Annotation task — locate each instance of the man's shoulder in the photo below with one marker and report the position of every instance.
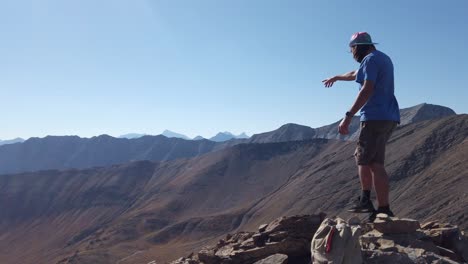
(381, 55)
(377, 57)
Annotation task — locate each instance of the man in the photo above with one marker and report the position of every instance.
(380, 115)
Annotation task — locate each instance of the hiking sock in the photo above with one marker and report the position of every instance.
(385, 210)
(365, 195)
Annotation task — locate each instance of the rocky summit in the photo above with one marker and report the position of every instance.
(388, 240)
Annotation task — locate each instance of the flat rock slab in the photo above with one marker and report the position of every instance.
(393, 225)
(274, 259)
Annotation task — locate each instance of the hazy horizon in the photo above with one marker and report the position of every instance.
(181, 133)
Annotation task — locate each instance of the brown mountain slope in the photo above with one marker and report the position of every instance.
(44, 214)
(143, 211)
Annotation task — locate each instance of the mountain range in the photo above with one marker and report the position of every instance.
(220, 137)
(11, 141)
(64, 152)
(140, 211)
(132, 136)
(225, 136)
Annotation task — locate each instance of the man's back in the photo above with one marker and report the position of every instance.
(382, 105)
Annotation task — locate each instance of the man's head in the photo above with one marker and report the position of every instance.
(361, 44)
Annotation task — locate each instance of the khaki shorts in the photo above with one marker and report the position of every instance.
(372, 140)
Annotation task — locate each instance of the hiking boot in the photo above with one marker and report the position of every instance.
(374, 214)
(363, 205)
(372, 217)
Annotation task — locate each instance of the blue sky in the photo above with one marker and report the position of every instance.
(199, 67)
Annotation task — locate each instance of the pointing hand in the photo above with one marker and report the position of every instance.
(329, 82)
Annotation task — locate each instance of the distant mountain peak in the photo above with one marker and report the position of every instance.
(292, 125)
(287, 132)
(424, 111)
(222, 136)
(242, 135)
(171, 134)
(226, 135)
(132, 135)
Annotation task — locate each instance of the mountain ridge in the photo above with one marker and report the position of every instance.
(62, 152)
(11, 141)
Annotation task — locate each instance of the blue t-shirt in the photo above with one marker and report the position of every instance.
(382, 105)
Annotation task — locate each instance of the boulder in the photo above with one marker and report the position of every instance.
(207, 256)
(381, 257)
(274, 259)
(262, 228)
(300, 226)
(448, 237)
(393, 225)
(181, 261)
(404, 256)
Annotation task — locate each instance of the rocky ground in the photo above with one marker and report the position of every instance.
(387, 240)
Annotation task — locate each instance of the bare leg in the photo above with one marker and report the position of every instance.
(365, 175)
(381, 185)
(364, 203)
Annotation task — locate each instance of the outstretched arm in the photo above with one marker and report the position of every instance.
(349, 76)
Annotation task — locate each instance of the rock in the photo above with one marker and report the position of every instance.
(461, 248)
(430, 225)
(388, 240)
(240, 237)
(181, 261)
(436, 259)
(449, 237)
(290, 236)
(221, 243)
(226, 251)
(298, 226)
(278, 236)
(354, 221)
(259, 239)
(386, 244)
(412, 253)
(449, 254)
(380, 257)
(393, 225)
(207, 256)
(274, 259)
(404, 256)
(290, 247)
(262, 228)
(443, 236)
(248, 244)
(254, 254)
